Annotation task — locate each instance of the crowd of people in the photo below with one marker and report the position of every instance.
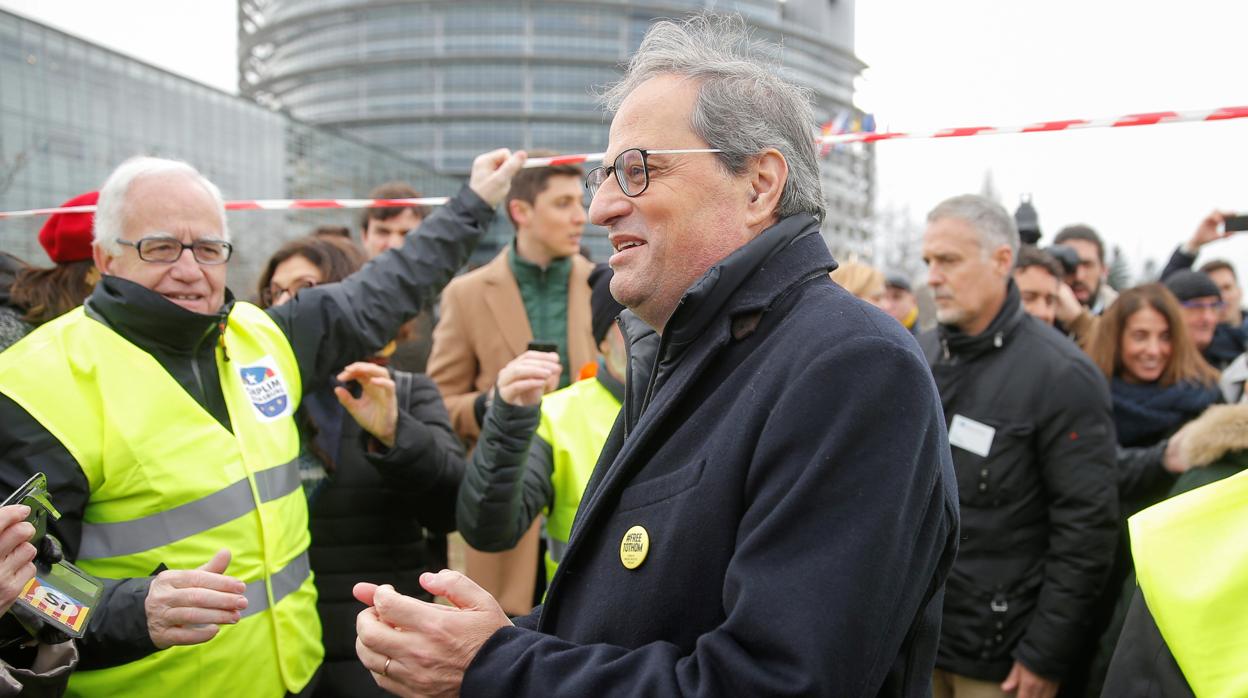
(1063, 426)
(721, 464)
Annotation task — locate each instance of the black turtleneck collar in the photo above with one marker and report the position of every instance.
(182, 342)
(151, 321)
(994, 336)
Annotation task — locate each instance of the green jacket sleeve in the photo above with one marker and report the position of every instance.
(507, 482)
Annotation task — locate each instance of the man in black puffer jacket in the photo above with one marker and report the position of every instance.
(1032, 435)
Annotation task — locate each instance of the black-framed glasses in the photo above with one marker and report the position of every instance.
(161, 249)
(274, 293)
(632, 169)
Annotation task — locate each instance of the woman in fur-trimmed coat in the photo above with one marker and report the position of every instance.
(1216, 445)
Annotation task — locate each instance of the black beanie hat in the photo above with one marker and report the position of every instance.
(1187, 284)
(603, 307)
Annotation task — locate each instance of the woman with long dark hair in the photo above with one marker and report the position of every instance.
(381, 470)
(1159, 383)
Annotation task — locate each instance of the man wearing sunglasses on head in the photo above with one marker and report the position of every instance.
(774, 512)
(161, 412)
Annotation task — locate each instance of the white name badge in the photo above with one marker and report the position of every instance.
(970, 435)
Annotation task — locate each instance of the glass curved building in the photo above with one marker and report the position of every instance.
(441, 81)
(71, 111)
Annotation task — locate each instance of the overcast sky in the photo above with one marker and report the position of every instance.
(987, 62)
(939, 64)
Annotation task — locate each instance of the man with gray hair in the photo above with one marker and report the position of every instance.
(161, 412)
(774, 511)
(1032, 433)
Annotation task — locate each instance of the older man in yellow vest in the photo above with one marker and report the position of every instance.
(161, 412)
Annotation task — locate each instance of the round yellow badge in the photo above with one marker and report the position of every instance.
(634, 547)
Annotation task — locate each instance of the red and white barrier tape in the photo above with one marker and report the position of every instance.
(293, 204)
(261, 205)
(564, 160)
(1150, 119)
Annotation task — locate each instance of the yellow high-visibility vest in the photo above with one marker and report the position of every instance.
(575, 422)
(171, 486)
(1191, 559)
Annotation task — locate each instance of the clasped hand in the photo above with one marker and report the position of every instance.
(415, 648)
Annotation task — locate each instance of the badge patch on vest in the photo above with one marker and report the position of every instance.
(265, 389)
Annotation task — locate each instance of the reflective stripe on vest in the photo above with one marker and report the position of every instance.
(170, 485)
(1192, 565)
(284, 583)
(220, 507)
(575, 423)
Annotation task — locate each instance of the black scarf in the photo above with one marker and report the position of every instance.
(964, 347)
(1145, 413)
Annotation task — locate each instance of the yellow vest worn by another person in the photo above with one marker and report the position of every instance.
(171, 486)
(1191, 561)
(575, 422)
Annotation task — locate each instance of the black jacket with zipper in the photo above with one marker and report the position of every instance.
(1039, 513)
(328, 327)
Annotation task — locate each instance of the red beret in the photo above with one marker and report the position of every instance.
(67, 236)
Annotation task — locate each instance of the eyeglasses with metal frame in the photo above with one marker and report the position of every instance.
(273, 293)
(632, 169)
(162, 249)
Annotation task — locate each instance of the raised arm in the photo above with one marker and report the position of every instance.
(331, 325)
(508, 481)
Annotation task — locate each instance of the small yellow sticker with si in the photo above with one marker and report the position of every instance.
(634, 547)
